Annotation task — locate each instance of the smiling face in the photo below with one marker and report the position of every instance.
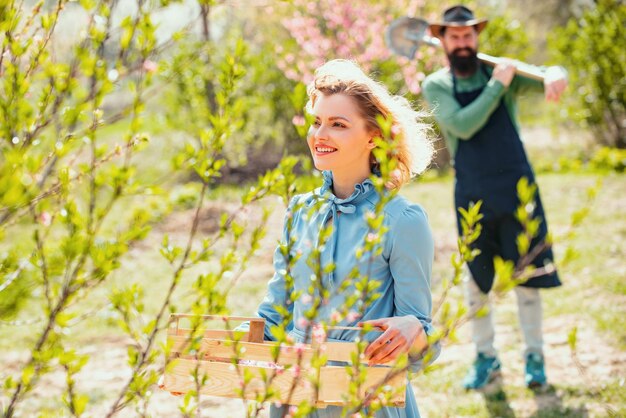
(339, 138)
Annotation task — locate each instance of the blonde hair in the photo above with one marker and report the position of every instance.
(413, 147)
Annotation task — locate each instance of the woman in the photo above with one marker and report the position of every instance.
(345, 104)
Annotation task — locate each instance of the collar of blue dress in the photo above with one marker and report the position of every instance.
(361, 191)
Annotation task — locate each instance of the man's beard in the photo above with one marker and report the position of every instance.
(463, 64)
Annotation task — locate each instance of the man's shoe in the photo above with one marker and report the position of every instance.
(484, 370)
(535, 375)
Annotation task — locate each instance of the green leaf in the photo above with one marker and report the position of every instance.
(28, 373)
(80, 404)
(572, 338)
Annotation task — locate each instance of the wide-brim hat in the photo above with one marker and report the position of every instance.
(457, 16)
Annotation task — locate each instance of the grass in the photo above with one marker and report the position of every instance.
(592, 297)
(593, 288)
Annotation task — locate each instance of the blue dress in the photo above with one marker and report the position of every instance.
(403, 268)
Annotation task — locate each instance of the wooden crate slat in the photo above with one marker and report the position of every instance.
(215, 317)
(212, 333)
(223, 380)
(216, 348)
(340, 351)
(335, 382)
(215, 344)
(254, 334)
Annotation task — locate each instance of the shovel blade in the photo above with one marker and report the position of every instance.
(406, 34)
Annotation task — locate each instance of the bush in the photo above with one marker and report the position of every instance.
(609, 159)
(592, 48)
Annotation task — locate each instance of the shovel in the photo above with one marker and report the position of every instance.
(406, 34)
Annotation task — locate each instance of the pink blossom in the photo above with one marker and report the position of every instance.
(292, 411)
(353, 316)
(335, 316)
(291, 74)
(302, 322)
(150, 66)
(371, 237)
(298, 120)
(299, 348)
(412, 78)
(45, 218)
(414, 87)
(329, 29)
(319, 334)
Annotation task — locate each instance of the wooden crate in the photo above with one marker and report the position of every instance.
(217, 349)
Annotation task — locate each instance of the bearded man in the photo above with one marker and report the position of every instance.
(475, 107)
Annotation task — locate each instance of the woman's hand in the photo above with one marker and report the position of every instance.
(401, 334)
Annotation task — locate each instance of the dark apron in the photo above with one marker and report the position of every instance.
(488, 167)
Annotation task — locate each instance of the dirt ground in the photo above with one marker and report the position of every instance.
(107, 369)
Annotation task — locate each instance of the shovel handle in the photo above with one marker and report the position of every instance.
(521, 68)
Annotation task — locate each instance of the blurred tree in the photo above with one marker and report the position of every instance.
(73, 200)
(539, 18)
(265, 131)
(327, 29)
(333, 29)
(593, 49)
(60, 179)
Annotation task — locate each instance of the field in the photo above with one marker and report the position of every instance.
(593, 299)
